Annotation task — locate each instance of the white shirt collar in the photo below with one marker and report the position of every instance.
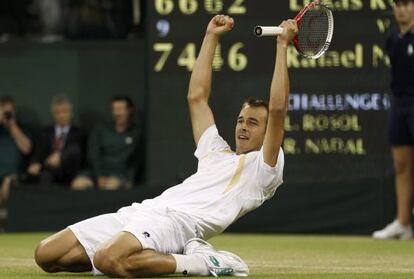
(59, 130)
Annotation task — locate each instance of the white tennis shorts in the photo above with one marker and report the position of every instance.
(162, 230)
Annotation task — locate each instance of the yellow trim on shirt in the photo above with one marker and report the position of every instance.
(228, 151)
(236, 177)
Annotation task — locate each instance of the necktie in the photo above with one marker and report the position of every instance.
(59, 142)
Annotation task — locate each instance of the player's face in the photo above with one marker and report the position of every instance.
(120, 112)
(250, 129)
(404, 12)
(62, 114)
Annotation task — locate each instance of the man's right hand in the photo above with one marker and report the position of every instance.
(34, 169)
(220, 24)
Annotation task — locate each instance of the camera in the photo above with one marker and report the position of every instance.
(8, 115)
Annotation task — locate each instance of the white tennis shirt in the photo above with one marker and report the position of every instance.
(225, 187)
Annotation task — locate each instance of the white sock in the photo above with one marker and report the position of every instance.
(190, 265)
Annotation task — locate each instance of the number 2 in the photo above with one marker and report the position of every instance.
(237, 7)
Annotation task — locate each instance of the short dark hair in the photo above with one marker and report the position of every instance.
(124, 98)
(7, 100)
(256, 103)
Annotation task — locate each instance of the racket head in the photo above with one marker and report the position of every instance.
(315, 30)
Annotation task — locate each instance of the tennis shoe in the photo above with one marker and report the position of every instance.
(394, 230)
(219, 263)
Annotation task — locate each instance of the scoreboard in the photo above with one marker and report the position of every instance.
(337, 123)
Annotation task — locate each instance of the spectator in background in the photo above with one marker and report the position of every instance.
(58, 154)
(113, 150)
(400, 48)
(15, 144)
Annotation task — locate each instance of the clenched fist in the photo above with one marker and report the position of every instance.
(220, 24)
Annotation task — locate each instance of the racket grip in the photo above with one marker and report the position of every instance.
(261, 31)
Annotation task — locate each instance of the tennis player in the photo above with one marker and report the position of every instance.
(166, 235)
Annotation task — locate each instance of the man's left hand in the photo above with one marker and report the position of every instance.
(290, 30)
(54, 160)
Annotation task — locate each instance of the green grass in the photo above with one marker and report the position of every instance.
(268, 256)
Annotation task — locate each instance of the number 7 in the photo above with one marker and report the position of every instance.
(166, 49)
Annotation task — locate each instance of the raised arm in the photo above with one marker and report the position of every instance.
(23, 142)
(279, 93)
(200, 83)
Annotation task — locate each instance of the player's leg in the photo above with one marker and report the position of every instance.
(123, 256)
(62, 252)
(403, 163)
(151, 244)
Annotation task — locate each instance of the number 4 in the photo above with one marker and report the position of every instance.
(188, 57)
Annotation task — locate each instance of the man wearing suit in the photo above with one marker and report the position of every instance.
(58, 153)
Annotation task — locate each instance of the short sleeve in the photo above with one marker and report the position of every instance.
(210, 141)
(269, 178)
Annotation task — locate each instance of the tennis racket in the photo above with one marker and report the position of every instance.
(315, 29)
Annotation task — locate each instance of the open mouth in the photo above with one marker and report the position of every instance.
(242, 137)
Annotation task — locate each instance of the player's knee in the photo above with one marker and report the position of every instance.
(44, 257)
(109, 264)
(402, 167)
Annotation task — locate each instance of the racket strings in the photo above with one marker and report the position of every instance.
(314, 29)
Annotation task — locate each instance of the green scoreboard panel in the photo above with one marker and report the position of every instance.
(337, 125)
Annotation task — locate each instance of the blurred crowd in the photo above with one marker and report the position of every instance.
(55, 20)
(109, 157)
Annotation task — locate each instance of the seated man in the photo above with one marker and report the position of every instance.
(58, 154)
(15, 144)
(165, 235)
(112, 150)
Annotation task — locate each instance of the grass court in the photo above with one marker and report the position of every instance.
(268, 256)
